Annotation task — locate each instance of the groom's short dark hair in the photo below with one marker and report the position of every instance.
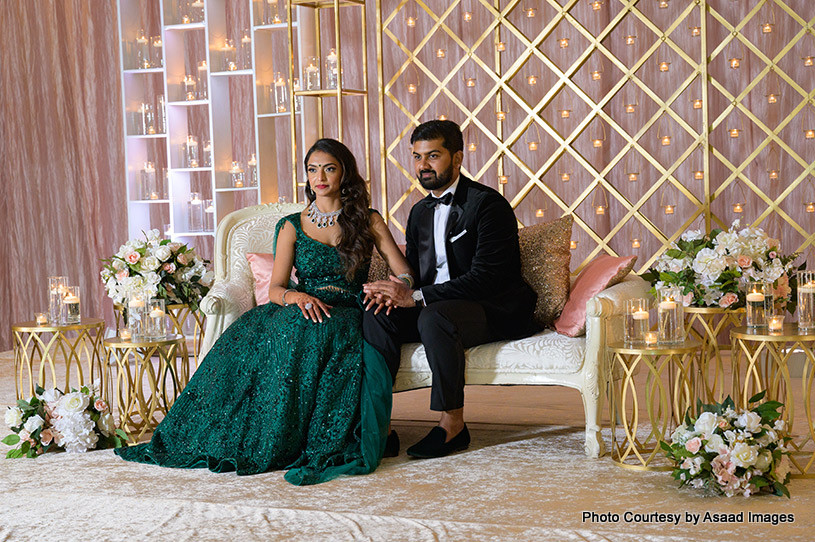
(446, 130)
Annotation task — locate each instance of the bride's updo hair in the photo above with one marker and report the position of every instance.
(356, 238)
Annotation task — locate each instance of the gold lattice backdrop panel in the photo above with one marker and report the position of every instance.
(641, 118)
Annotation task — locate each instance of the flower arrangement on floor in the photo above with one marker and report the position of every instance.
(159, 267)
(732, 452)
(76, 422)
(709, 269)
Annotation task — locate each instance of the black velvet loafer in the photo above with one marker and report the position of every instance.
(433, 444)
(391, 445)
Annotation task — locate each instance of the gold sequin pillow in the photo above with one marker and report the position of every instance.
(545, 258)
(379, 268)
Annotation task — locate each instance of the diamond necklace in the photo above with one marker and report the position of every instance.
(323, 220)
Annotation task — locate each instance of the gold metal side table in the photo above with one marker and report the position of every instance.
(133, 364)
(760, 362)
(40, 350)
(667, 393)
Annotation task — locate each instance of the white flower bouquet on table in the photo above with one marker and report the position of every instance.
(76, 422)
(732, 452)
(158, 267)
(710, 268)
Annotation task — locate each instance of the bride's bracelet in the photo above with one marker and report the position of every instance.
(407, 279)
(283, 297)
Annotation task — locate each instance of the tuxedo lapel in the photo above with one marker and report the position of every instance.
(425, 245)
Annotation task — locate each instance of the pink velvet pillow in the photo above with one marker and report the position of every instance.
(261, 265)
(604, 271)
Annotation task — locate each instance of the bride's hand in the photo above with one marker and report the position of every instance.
(312, 308)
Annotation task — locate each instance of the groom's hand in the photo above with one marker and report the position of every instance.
(388, 294)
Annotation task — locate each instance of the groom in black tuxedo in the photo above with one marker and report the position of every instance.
(462, 241)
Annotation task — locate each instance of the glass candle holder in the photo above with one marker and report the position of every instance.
(775, 323)
(56, 291)
(156, 52)
(670, 316)
(298, 100)
(156, 319)
(148, 188)
(651, 338)
(281, 94)
(236, 175)
(208, 153)
(270, 12)
(229, 57)
(136, 304)
(806, 301)
(70, 305)
(203, 81)
(190, 152)
(142, 48)
(252, 170)
(209, 215)
(40, 318)
(245, 52)
(195, 212)
(637, 321)
(331, 78)
(190, 82)
(759, 297)
(311, 73)
(196, 10)
(161, 115)
(145, 119)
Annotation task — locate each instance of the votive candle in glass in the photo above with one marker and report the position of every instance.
(670, 321)
(759, 297)
(311, 73)
(806, 301)
(776, 323)
(70, 305)
(195, 212)
(40, 318)
(236, 175)
(191, 152)
(637, 320)
(135, 316)
(651, 338)
(156, 319)
(56, 291)
(203, 82)
(252, 170)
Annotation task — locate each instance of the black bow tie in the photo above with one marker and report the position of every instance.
(431, 201)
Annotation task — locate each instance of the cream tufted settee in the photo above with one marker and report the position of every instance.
(546, 358)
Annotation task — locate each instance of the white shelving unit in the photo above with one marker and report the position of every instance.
(237, 115)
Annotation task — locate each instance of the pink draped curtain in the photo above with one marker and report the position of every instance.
(62, 200)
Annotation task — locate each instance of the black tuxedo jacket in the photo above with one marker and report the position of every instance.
(483, 257)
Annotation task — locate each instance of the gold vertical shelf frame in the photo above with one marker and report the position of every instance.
(699, 14)
(339, 92)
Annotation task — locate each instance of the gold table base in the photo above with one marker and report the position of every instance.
(76, 348)
(665, 404)
(760, 362)
(133, 362)
(706, 324)
(178, 313)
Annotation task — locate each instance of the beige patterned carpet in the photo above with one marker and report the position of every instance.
(526, 480)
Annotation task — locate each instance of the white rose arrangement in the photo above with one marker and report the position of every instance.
(76, 422)
(158, 267)
(732, 452)
(711, 269)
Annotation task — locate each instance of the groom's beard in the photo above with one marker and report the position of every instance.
(435, 181)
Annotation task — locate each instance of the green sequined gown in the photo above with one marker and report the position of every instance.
(278, 391)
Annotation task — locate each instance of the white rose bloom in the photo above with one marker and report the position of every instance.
(692, 235)
(207, 279)
(705, 423)
(33, 423)
(150, 263)
(118, 264)
(780, 425)
(697, 483)
(77, 432)
(105, 424)
(72, 403)
(765, 458)
(714, 443)
(50, 396)
(708, 262)
(681, 434)
(14, 416)
(163, 252)
(744, 455)
(750, 421)
(730, 436)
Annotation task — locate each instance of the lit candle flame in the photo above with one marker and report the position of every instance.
(669, 209)
(539, 213)
(630, 39)
(565, 113)
(735, 63)
(565, 177)
(564, 42)
(738, 208)
(501, 115)
(633, 177)
(635, 243)
(666, 140)
(664, 66)
(532, 80)
(572, 245)
(533, 146)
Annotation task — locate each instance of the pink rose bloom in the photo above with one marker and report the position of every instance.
(687, 299)
(169, 267)
(693, 445)
(744, 261)
(774, 243)
(123, 274)
(100, 405)
(184, 258)
(783, 289)
(728, 299)
(722, 423)
(46, 436)
(773, 255)
(132, 257)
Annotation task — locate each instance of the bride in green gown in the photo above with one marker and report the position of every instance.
(291, 384)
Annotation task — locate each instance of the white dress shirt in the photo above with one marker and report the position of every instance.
(440, 217)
